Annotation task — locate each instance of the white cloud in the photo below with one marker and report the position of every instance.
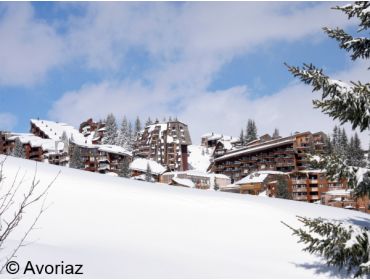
(189, 43)
(29, 48)
(7, 121)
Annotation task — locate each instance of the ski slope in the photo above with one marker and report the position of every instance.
(124, 228)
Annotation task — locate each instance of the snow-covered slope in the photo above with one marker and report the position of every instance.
(199, 157)
(118, 227)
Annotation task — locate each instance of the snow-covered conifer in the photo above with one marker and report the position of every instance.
(282, 190)
(111, 131)
(148, 173)
(18, 150)
(276, 133)
(76, 160)
(251, 131)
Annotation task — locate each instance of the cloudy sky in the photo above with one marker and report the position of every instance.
(213, 65)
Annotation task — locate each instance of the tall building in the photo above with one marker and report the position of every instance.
(166, 143)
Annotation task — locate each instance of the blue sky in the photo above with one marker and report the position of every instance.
(214, 65)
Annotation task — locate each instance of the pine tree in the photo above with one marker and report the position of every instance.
(111, 131)
(343, 142)
(335, 138)
(148, 173)
(342, 101)
(131, 137)
(148, 122)
(251, 131)
(282, 190)
(276, 133)
(18, 150)
(242, 137)
(123, 136)
(137, 127)
(124, 169)
(345, 247)
(75, 160)
(355, 155)
(346, 103)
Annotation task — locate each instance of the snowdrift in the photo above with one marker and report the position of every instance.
(124, 228)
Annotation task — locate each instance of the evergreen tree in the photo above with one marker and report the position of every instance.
(123, 136)
(276, 133)
(137, 127)
(111, 131)
(216, 187)
(18, 150)
(251, 131)
(148, 173)
(75, 160)
(124, 169)
(131, 137)
(328, 146)
(347, 103)
(335, 138)
(344, 141)
(355, 155)
(242, 137)
(345, 247)
(340, 100)
(170, 119)
(148, 122)
(282, 190)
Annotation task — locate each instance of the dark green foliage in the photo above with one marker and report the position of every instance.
(251, 131)
(18, 150)
(124, 170)
(76, 160)
(148, 173)
(241, 137)
(137, 127)
(345, 102)
(345, 247)
(282, 189)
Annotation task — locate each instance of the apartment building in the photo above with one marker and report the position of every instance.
(283, 154)
(309, 185)
(166, 143)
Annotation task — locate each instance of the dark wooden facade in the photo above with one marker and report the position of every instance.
(284, 154)
(165, 143)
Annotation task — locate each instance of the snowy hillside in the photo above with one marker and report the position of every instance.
(199, 157)
(125, 228)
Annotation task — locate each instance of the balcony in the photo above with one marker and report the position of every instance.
(299, 181)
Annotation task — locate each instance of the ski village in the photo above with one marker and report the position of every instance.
(262, 170)
(162, 152)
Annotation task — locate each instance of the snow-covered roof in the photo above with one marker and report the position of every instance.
(114, 149)
(339, 192)
(230, 187)
(197, 173)
(184, 182)
(35, 141)
(247, 150)
(218, 136)
(141, 164)
(258, 177)
(142, 177)
(54, 130)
